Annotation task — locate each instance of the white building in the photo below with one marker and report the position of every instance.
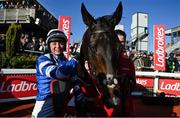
(174, 33)
(139, 32)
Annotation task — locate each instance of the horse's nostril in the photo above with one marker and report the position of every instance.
(104, 82)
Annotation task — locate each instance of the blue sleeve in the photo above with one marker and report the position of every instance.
(46, 67)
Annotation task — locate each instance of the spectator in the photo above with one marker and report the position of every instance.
(41, 45)
(11, 5)
(171, 61)
(151, 60)
(1, 5)
(34, 44)
(74, 52)
(146, 62)
(138, 61)
(23, 43)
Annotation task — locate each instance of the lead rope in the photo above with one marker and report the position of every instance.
(91, 73)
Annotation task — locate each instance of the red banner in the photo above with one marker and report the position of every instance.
(170, 86)
(145, 81)
(159, 47)
(65, 26)
(17, 86)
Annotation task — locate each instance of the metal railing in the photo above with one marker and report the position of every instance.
(156, 75)
(16, 15)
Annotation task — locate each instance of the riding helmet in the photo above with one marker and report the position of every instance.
(55, 35)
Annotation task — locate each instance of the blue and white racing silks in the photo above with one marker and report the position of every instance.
(48, 69)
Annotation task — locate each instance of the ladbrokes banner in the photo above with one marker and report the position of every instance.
(159, 47)
(65, 26)
(171, 87)
(17, 86)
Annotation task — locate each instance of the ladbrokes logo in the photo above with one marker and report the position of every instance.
(66, 27)
(170, 87)
(160, 47)
(142, 82)
(20, 87)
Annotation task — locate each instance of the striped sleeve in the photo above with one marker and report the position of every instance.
(45, 66)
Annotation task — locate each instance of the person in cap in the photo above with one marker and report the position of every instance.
(50, 66)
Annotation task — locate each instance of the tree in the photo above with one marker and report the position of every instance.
(15, 59)
(12, 40)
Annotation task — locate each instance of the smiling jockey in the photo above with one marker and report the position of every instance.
(51, 66)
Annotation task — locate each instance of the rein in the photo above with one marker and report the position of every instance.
(92, 75)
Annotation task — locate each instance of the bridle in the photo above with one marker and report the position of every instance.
(110, 82)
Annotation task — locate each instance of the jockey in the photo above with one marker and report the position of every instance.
(50, 66)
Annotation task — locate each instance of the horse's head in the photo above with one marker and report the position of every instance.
(99, 48)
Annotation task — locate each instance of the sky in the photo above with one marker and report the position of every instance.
(166, 12)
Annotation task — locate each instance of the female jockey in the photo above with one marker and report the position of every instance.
(50, 66)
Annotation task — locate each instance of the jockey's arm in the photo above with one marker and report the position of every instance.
(62, 70)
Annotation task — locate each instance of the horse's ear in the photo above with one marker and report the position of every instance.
(117, 15)
(87, 18)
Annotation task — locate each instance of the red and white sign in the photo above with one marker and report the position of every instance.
(65, 26)
(17, 86)
(159, 47)
(145, 81)
(170, 86)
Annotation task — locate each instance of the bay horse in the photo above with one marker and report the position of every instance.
(100, 50)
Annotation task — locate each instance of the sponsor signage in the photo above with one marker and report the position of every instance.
(145, 81)
(18, 86)
(159, 47)
(65, 26)
(170, 86)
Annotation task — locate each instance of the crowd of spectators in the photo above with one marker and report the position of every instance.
(26, 4)
(145, 62)
(17, 4)
(31, 44)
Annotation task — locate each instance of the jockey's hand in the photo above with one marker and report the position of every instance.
(68, 67)
(72, 64)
